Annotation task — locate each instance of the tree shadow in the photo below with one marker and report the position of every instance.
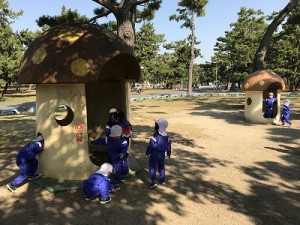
(264, 203)
(34, 206)
(278, 202)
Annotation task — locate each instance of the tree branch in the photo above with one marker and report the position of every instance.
(107, 4)
(140, 2)
(99, 16)
(261, 52)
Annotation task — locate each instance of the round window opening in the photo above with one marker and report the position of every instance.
(249, 101)
(63, 115)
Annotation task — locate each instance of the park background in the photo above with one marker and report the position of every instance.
(223, 170)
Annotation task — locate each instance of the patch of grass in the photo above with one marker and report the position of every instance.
(221, 103)
(15, 131)
(18, 99)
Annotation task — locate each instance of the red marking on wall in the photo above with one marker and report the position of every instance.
(79, 137)
(79, 127)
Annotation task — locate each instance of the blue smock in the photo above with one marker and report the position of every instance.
(269, 103)
(97, 185)
(27, 161)
(117, 153)
(157, 148)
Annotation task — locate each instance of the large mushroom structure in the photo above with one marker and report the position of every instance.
(257, 86)
(80, 72)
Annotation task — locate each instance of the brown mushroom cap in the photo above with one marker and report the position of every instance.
(263, 80)
(78, 53)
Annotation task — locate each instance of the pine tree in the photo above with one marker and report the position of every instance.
(11, 48)
(187, 11)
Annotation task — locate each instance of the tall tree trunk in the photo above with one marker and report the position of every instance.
(258, 63)
(191, 65)
(126, 25)
(125, 14)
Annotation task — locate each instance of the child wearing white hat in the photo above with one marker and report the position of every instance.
(117, 152)
(159, 146)
(269, 104)
(117, 117)
(285, 113)
(98, 185)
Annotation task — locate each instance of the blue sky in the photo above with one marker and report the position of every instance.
(219, 15)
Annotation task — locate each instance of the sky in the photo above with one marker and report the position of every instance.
(218, 16)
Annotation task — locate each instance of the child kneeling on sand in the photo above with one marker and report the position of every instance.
(98, 185)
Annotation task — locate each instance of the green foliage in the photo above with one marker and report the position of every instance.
(181, 52)
(235, 52)
(148, 10)
(186, 9)
(284, 51)
(147, 51)
(11, 47)
(66, 16)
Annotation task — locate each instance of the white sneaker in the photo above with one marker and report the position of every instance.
(12, 188)
(105, 200)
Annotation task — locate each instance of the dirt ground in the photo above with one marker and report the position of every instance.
(223, 170)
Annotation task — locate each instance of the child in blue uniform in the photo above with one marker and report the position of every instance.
(269, 103)
(159, 146)
(116, 117)
(117, 153)
(286, 112)
(98, 185)
(27, 162)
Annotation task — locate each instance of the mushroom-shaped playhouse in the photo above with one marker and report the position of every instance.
(257, 86)
(81, 71)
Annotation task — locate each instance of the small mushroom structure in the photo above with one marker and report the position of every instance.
(80, 72)
(257, 86)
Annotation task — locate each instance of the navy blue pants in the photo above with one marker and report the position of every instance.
(120, 170)
(26, 169)
(157, 161)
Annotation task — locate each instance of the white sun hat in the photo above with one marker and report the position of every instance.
(113, 110)
(105, 169)
(115, 131)
(162, 126)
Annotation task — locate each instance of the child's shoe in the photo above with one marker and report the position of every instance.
(34, 176)
(105, 200)
(153, 185)
(117, 187)
(162, 182)
(12, 188)
(89, 198)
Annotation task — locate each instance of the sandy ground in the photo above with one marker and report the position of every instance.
(223, 170)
